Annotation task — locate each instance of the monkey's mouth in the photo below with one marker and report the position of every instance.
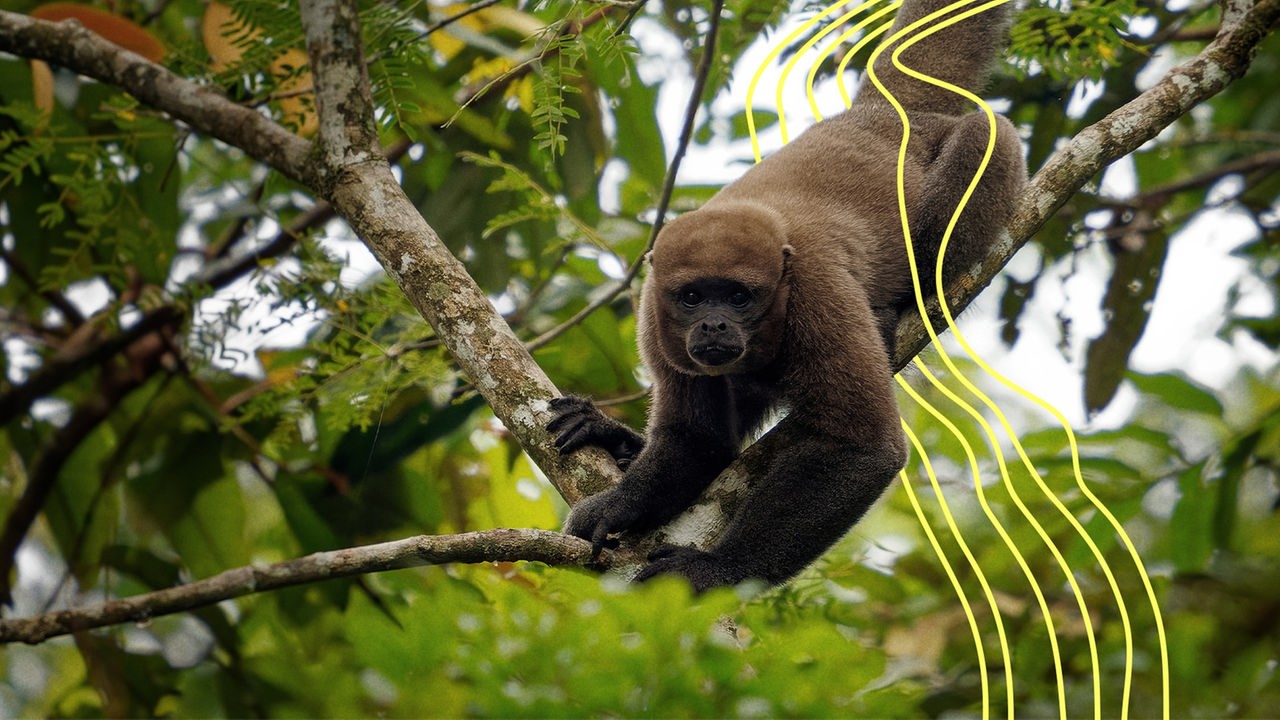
(715, 355)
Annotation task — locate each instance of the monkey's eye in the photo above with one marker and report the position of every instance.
(740, 299)
(691, 298)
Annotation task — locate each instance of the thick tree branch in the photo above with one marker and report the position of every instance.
(201, 107)
(544, 546)
(359, 183)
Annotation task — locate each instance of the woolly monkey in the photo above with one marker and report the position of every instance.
(783, 293)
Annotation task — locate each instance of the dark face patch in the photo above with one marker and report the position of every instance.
(717, 318)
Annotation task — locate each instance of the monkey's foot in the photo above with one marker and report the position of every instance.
(702, 569)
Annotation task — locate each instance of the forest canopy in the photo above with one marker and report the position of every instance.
(272, 408)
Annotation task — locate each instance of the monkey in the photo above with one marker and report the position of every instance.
(781, 295)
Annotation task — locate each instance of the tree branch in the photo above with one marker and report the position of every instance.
(360, 185)
(544, 546)
(201, 107)
(69, 362)
(366, 194)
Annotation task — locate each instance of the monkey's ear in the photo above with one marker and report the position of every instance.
(648, 258)
(787, 252)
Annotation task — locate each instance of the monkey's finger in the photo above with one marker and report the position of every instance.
(665, 551)
(573, 438)
(559, 422)
(651, 571)
(598, 540)
(568, 402)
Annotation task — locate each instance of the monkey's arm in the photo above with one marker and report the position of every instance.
(690, 440)
(815, 473)
(817, 487)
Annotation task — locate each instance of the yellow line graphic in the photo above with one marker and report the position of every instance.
(912, 34)
(931, 26)
(991, 517)
(1021, 391)
(946, 566)
(844, 63)
(777, 50)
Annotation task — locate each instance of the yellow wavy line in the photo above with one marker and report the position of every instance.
(1048, 541)
(995, 443)
(946, 565)
(795, 58)
(1004, 645)
(928, 22)
(972, 561)
(986, 509)
(830, 50)
(1075, 588)
(1075, 457)
(964, 343)
(1044, 405)
(777, 50)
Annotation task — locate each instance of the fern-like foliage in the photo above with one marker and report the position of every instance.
(536, 202)
(558, 73)
(1079, 42)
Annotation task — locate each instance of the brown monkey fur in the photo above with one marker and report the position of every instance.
(783, 293)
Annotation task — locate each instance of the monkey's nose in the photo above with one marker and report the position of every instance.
(714, 327)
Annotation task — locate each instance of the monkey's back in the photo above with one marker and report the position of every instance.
(835, 187)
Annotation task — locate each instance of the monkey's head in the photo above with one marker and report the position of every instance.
(718, 282)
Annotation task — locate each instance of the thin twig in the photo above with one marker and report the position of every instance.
(1261, 161)
(541, 53)
(61, 369)
(544, 546)
(69, 312)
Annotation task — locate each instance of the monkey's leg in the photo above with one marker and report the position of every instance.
(815, 488)
(989, 207)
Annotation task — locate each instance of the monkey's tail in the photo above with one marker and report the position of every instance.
(961, 54)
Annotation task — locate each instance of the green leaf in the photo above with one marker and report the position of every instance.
(1178, 391)
(1191, 526)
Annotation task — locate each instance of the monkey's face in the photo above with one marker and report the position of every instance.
(718, 290)
(718, 319)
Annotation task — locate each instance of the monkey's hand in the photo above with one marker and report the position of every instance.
(579, 423)
(596, 517)
(704, 570)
